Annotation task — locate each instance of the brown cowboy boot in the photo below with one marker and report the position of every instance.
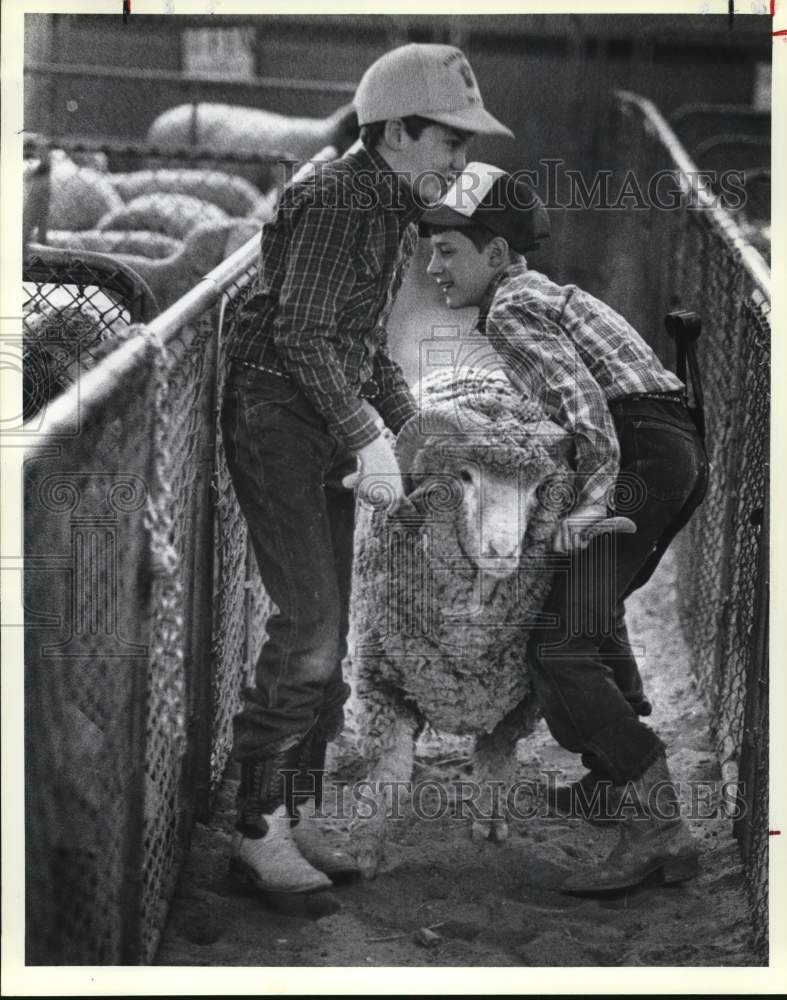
(264, 854)
(593, 798)
(657, 842)
(324, 848)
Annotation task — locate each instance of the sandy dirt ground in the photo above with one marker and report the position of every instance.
(493, 904)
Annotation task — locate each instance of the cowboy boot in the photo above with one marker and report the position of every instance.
(592, 798)
(264, 854)
(322, 847)
(656, 841)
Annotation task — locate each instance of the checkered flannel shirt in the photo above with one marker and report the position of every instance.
(576, 355)
(331, 262)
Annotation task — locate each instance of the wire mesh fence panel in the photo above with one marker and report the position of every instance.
(85, 647)
(180, 663)
(689, 256)
(121, 755)
(86, 653)
(76, 308)
(747, 637)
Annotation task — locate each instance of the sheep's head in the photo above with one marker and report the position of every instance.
(498, 474)
(205, 247)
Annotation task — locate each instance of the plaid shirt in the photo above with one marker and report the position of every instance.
(331, 262)
(578, 355)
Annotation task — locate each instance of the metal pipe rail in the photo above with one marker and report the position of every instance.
(692, 182)
(34, 143)
(139, 75)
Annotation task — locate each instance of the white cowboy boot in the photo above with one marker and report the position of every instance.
(264, 854)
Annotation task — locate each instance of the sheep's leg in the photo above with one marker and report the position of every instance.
(389, 745)
(495, 770)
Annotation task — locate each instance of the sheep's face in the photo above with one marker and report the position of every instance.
(494, 517)
(483, 500)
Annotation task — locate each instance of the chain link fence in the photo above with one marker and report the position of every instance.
(143, 605)
(685, 251)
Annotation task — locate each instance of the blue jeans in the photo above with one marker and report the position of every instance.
(287, 470)
(584, 673)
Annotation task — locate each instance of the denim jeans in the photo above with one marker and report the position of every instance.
(584, 673)
(287, 469)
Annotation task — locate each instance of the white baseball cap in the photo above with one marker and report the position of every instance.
(433, 81)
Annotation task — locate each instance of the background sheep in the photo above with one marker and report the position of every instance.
(172, 277)
(60, 343)
(233, 195)
(226, 128)
(241, 233)
(80, 196)
(36, 184)
(128, 241)
(172, 214)
(446, 587)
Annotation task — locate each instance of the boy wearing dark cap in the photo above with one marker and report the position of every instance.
(596, 377)
(309, 368)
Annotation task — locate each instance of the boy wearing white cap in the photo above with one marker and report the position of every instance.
(309, 366)
(595, 376)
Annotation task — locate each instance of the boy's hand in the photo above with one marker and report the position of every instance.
(572, 532)
(378, 476)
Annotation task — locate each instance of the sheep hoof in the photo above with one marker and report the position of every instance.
(367, 851)
(368, 858)
(493, 830)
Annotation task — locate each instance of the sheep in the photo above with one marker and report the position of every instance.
(60, 343)
(36, 188)
(128, 241)
(447, 585)
(233, 195)
(172, 214)
(226, 128)
(170, 278)
(241, 233)
(80, 196)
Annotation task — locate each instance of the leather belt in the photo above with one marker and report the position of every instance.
(675, 396)
(260, 368)
(369, 389)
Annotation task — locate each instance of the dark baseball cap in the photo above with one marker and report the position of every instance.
(503, 203)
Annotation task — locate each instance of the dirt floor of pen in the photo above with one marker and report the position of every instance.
(490, 904)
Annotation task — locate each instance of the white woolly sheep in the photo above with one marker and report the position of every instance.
(80, 196)
(129, 241)
(172, 214)
(60, 343)
(170, 278)
(241, 233)
(233, 195)
(443, 603)
(226, 128)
